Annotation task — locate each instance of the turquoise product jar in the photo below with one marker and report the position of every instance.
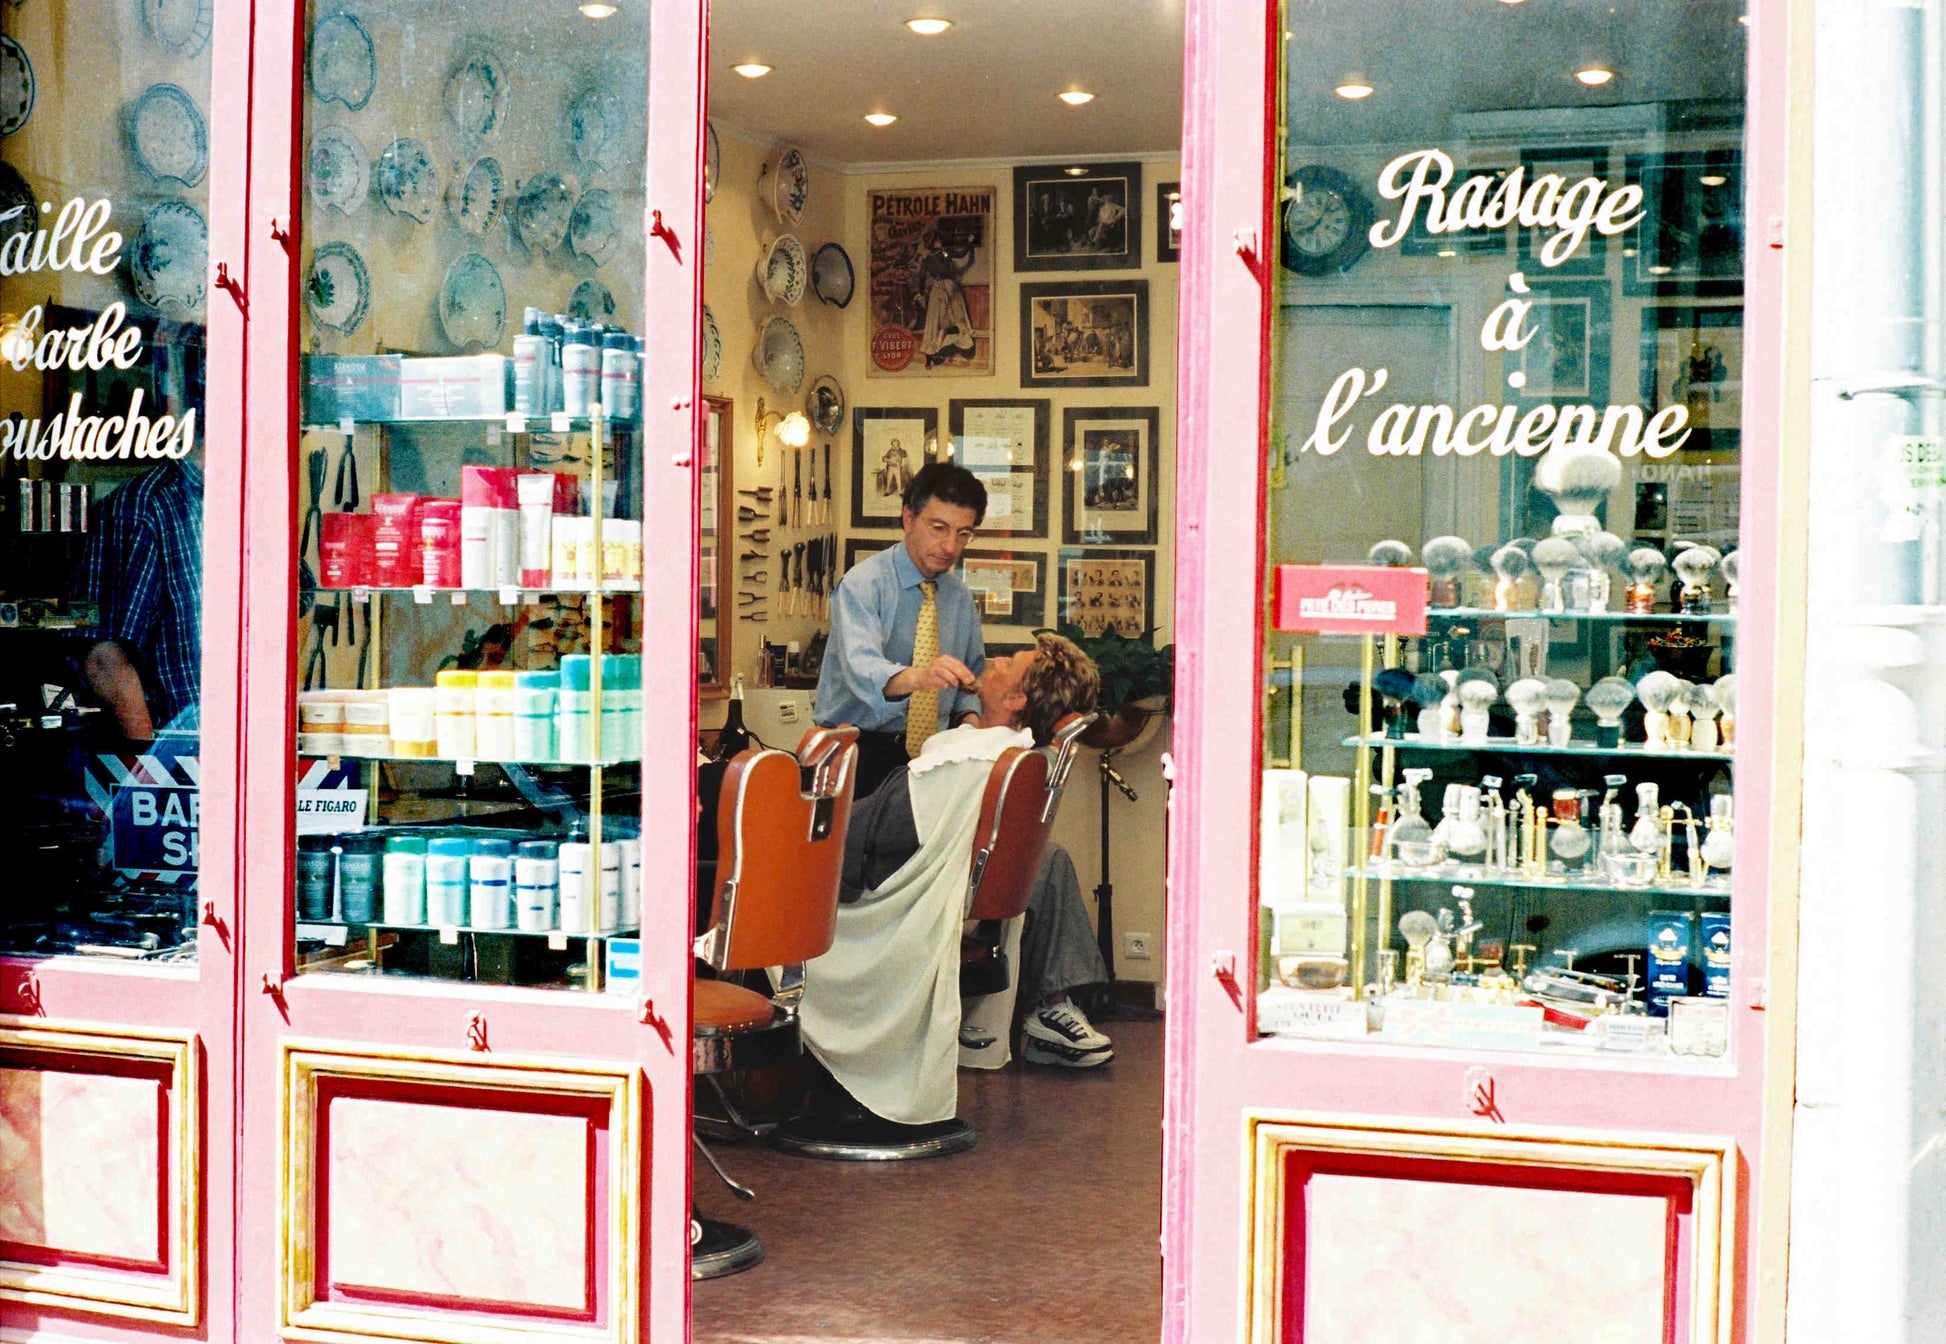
(446, 881)
(405, 879)
(490, 883)
(537, 886)
(534, 708)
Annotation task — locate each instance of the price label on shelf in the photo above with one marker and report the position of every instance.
(361, 595)
(557, 941)
(422, 594)
(463, 766)
(347, 426)
(516, 423)
(332, 935)
(562, 422)
(510, 597)
(449, 935)
(459, 597)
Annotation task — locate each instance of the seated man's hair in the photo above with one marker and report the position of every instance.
(949, 484)
(1062, 681)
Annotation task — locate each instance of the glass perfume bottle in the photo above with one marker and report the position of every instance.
(1608, 698)
(1646, 834)
(1646, 567)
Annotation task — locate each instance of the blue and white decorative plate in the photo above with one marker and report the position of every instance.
(340, 63)
(168, 136)
(337, 171)
(474, 197)
(824, 405)
(591, 302)
(473, 303)
(169, 263)
(832, 278)
(712, 162)
(595, 230)
(594, 127)
(16, 86)
(178, 26)
(338, 288)
(779, 355)
(790, 187)
(542, 213)
(407, 181)
(712, 349)
(782, 271)
(477, 94)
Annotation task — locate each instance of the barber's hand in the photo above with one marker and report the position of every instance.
(943, 673)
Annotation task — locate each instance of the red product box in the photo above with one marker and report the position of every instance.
(567, 494)
(488, 487)
(395, 540)
(347, 550)
(439, 543)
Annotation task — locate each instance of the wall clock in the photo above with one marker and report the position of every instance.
(1326, 222)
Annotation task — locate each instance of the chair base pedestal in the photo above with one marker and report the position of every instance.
(723, 1249)
(851, 1139)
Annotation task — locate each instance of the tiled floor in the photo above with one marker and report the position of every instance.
(1046, 1231)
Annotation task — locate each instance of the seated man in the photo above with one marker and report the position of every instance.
(881, 1009)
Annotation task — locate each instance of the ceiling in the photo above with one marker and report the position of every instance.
(986, 88)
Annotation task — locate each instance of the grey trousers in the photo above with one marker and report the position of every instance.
(1058, 952)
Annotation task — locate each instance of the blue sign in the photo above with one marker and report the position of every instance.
(155, 827)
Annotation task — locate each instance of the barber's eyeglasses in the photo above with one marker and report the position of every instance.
(963, 536)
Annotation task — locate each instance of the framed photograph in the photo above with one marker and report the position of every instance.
(1420, 241)
(1111, 473)
(888, 446)
(860, 549)
(1572, 166)
(930, 274)
(1693, 356)
(1090, 221)
(1108, 589)
(1008, 586)
(1084, 333)
(1003, 441)
(1690, 241)
(1567, 359)
(1168, 221)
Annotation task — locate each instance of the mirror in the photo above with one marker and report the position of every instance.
(715, 572)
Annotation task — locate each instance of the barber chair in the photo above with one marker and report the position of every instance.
(781, 833)
(1023, 795)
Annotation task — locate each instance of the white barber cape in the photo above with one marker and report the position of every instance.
(881, 1009)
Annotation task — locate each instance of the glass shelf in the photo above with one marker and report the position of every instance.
(322, 925)
(509, 595)
(513, 422)
(1654, 617)
(1453, 874)
(469, 763)
(1506, 746)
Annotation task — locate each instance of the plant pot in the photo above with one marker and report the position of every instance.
(1122, 728)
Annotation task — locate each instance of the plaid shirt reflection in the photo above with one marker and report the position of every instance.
(144, 565)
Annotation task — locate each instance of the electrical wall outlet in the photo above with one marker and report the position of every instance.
(1135, 946)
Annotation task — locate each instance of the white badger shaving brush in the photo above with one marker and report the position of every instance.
(1510, 566)
(1603, 551)
(1694, 567)
(1391, 554)
(1528, 696)
(1449, 721)
(1478, 689)
(1724, 693)
(1577, 480)
(1657, 691)
(1728, 567)
(1554, 557)
(1646, 566)
(1703, 709)
(1561, 695)
(1608, 698)
(1447, 559)
(1429, 693)
(1678, 713)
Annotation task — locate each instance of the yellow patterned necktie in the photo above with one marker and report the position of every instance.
(922, 709)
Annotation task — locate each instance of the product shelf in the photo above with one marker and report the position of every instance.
(324, 927)
(1456, 874)
(513, 422)
(509, 595)
(1651, 618)
(464, 765)
(1506, 746)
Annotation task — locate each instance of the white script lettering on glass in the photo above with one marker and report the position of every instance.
(1549, 201)
(76, 243)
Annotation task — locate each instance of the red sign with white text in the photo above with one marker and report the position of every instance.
(1349, 600)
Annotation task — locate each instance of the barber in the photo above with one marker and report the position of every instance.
(905, 632)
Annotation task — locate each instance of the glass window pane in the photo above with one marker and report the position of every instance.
(104, 199)
(1507, 384)
(469, 474)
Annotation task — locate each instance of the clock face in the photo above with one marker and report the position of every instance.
(1326, 222)
(1318, 221)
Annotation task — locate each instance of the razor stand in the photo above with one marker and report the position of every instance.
(1105, 898)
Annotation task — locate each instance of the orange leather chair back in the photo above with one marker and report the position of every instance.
(781, 827)
(1016, 817)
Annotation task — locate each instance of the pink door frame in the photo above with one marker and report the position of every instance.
(1216, 1071)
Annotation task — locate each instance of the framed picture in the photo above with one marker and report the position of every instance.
(1572, 166)
(930, 274)
(1693, 356)
(1084, 333)
(1567, 359)
(888, 446)
(1088, 221)
(1003, 441)
(1112, 475)
(1008, 586)
(859, 549)
(1420, 241)
(1108, 589)
(1168, 221)
(1690, 241)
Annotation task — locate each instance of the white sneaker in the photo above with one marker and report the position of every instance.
(1063, 1025)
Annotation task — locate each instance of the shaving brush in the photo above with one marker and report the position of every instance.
(1390, 554)
(1447, 559)
(1679, 722)
(1608, 698)
(1603, 551)
(1646, 566)
(1724, 693)
(1703, 710)
(1577, 480)
(1561, 695)
(1510, 566)
(1657, 691)
(1528, 696)
(1728, 567)
(1429, 693)
(1395, 685)
(1554, 557)
(1694, 567)
(1477, 691)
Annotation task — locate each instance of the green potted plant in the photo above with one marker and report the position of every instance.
(1137, 683)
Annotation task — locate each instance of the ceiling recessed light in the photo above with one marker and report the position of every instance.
(1712, 179)
(1075, 172)
(752, 69)
(1354, 90)
(1076, 97)
(929, 27)
(1448, 252)
(1660, 270)
(598, 9)
(1628, 251)
(1175, 195)
(880, 118)
(1594, 76)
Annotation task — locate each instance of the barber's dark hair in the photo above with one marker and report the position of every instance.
(949, 484)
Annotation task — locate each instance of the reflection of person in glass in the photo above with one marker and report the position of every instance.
(144, 567)
(949, 327)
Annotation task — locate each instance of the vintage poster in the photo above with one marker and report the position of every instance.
(931, 280)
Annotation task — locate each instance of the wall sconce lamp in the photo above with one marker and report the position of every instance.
(793, 430)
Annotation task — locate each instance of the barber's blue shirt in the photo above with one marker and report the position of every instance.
(874, 618)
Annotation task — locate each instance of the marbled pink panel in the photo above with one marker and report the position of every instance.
(450, 1201)
(81, 1162)
(1423, 1262)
